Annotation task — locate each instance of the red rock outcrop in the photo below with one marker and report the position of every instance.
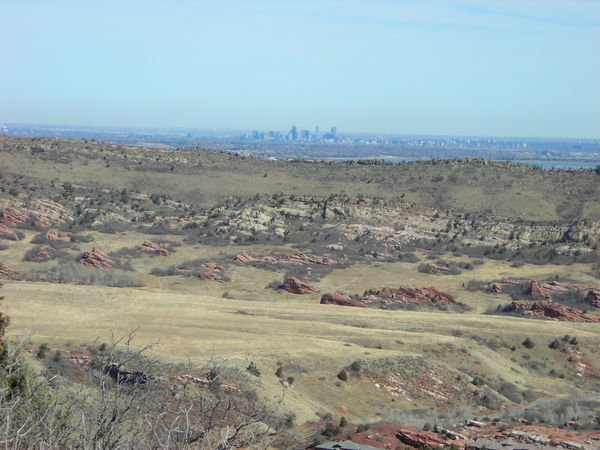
(7, 233)
(390, 436)
(296, 258)
(43, 253)
(296, 286)
(6, 272)
(341, 299)
(55, 236)
(151, 247)
(427, 439)
(11, 217)
(243, 258)
(211, 276)
(96, 258)
(434, 268)
(423, 296)
(211, 271)
(40, 223)
(496, 288)
(593, 298)
(550, 310)
(213, 266)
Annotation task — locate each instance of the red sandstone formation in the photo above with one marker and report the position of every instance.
(243, 258)
(593, 298)
(43, 253)
(211, 272)
(55, 236)
(40, 223)
(341, 299)
(7, 233)
(550, 310)
(496, 288)
(96, 258)
(211, 276)
(295, 286)
(492, 435)
(11, 217)
(427, 439)
(6, 272)
(151, 247)
(434, 268)
(428, 296)
(212, 266)
(296, 258)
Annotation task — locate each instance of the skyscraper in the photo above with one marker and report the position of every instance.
(293, 134)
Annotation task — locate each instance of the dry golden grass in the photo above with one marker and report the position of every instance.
(320, 338)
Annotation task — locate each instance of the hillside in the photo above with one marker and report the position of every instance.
(212, 255)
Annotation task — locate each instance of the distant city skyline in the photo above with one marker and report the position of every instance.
(448, 68)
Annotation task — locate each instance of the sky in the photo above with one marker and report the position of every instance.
(518, 68)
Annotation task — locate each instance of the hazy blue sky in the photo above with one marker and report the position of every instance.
(512, 68)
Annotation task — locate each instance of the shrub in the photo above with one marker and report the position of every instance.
(343, 375)
(253, 369)
(528, 343)
(74, 273)
(554, 344)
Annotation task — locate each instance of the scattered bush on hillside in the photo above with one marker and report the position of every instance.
(43, 410)
(528, 343)
(74, 273)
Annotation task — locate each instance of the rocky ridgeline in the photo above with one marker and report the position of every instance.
(390, 298)
(96, 258)
(297, 258)
(394, 225)
(40, 214)
(547, 309)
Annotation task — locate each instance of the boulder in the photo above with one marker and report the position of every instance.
(296, 286)
(243, 258)
(341, 299)
(151, 247)
(550, 310)
(55, 236)
(96, 258)
(496, 288)
(7, 233)
(593, 298)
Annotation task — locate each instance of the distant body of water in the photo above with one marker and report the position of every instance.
(539, 163)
